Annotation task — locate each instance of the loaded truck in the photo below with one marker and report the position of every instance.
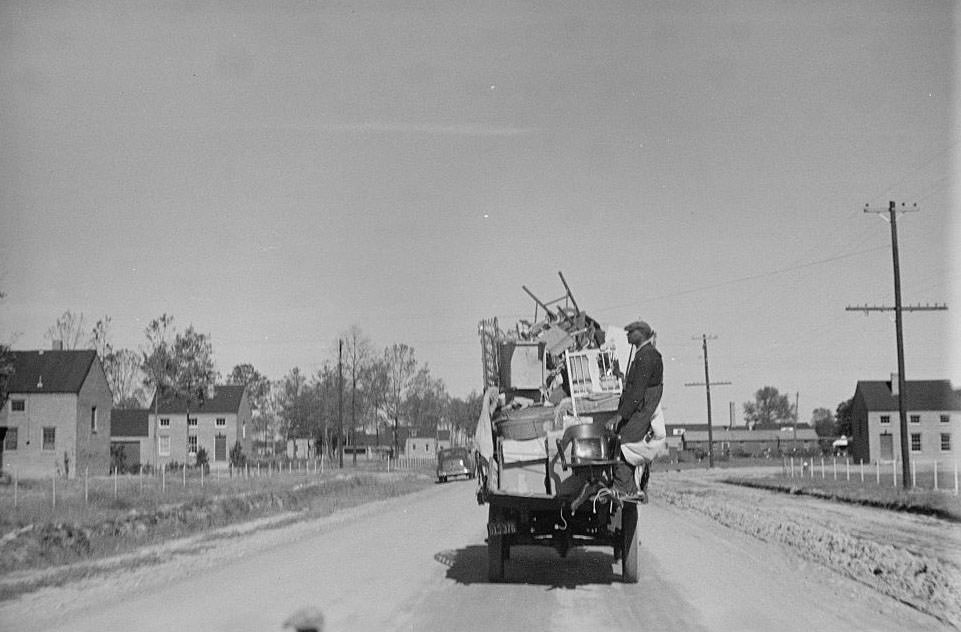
(545, 460)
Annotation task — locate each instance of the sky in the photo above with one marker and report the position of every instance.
(274, 173)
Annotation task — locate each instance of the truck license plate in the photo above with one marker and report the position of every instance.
(501, 528)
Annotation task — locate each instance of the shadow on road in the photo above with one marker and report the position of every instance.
(536, 565)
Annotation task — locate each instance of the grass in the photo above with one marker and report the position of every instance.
(941, 503)
(89, 521)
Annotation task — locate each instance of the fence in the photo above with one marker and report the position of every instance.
(935, 475)
(64, 498)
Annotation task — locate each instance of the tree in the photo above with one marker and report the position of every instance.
(395, 375)
(844, 418)
(126, 378)
(357, 361)
(258, 393)
(194, 374)
(823, 421)
(158, 364)
(6, 369)
(427, 403)
(769, 408)
(122, 367)
(69, 330)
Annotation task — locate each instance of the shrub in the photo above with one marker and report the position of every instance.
(237, 456)
(202, 460)
(118, 459)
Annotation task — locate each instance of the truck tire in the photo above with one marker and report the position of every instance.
(496, 549)
(629, 544)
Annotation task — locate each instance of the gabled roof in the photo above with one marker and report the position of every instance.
(226, 399)
(918, 395)
(50, 371)
(129, 422)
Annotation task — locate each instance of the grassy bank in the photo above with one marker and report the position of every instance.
(87, 527)
(943, 504)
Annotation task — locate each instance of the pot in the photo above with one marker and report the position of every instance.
(589, 443)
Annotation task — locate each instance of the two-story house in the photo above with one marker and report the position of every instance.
(57, 416)
(933, 415)
(218, 422)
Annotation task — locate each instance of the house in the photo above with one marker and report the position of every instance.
(427, 446)
(753, 442)
(130, 432)
(56, 420)
(218, 422)
(933, 414)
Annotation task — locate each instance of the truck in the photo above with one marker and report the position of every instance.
(545, 459)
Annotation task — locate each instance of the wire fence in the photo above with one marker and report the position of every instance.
(59, 498)
(933, 474)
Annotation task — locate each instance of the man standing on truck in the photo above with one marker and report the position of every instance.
(639, 401)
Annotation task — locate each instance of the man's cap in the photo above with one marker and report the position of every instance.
(642, 326)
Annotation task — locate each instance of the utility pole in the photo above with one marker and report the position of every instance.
(892, 211)
(340, 401)
(707, 386)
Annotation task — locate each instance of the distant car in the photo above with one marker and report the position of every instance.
(454, 462)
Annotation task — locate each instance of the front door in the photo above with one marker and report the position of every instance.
(220, 448)
(887, 447)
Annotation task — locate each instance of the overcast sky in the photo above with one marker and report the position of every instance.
(275, 172)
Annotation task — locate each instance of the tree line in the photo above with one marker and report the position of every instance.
(357, 389)
(772, 408)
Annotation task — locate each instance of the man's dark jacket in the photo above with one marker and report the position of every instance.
(643, 386)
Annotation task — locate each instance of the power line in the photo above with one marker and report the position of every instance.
(707, 383)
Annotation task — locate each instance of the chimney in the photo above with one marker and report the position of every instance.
(57, 345)
(894, 384)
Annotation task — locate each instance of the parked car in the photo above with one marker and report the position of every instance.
(454, 462)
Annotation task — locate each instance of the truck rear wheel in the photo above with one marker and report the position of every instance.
(629, 543)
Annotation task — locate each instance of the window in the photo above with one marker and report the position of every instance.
(18, 405)
(165, 422)
(915, 419)
(945, 441)
(885, 419)
(10, 440)
(221, 422)
(164, 445)
(93, 419)
(915, 442)
(191, 422)
(49, 438)
(192, 444)
(945, 419)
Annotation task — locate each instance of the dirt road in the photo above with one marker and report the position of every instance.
(419, 563)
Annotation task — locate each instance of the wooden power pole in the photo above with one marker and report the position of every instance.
(892, 211)
(707, 383)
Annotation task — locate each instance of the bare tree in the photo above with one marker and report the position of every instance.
(398, 369)
(69, 330)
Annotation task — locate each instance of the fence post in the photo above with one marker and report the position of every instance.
(822, 469)
(878, 465)
(835, 468)
(86, 474)
(141, 480)
(862, 470)
(184, 469)
(163, 478)
(894, 471)
(935, 475)
(388, 469)
(54, 479)
(115, 470)
(792, 467)
(16, 487)
(847, 468)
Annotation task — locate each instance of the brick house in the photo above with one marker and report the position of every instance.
(215, 424)
(57, 417)
(934, 421)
